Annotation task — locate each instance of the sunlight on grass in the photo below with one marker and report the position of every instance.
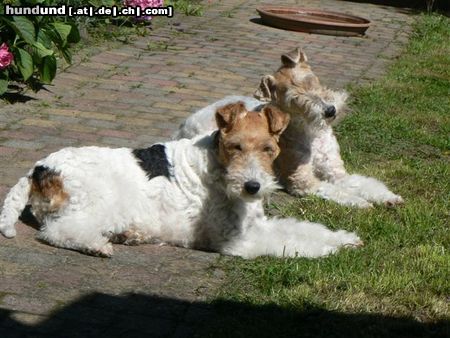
(398, 132)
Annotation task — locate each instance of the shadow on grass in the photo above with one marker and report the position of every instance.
(138, 315)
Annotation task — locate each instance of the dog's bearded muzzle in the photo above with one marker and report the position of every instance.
(311, 107)
(250, 182)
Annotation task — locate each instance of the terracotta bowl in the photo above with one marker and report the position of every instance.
(313, 20)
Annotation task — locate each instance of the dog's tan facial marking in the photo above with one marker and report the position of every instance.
(294, 75)
(298, 77)
(47, 189)
(247, 134)
(297, 90)
(248, 146)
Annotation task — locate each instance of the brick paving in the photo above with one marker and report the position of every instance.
(133, 95)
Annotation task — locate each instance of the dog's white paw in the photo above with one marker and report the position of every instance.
(394, 201)
(105, 251)
(349, 239)
(8, 232)
(341, 239)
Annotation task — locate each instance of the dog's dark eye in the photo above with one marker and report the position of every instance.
(268, 149)
(237, 147)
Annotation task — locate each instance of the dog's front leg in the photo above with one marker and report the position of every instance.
(304, 182)
(290, 238)
(353, 190)
(370, 189)
(294, 168)
(326, 155)
(340, 195)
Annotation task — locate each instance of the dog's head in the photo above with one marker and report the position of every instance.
(248, 146)
(297, 90)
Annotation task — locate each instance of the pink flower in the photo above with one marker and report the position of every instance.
(6, 57)
(144, 4)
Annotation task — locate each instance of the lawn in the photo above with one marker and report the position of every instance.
(397, 285)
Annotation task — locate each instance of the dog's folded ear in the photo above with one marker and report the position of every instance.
(266, 91)
(303, 57)
(293, 57)
(227, 116)
(278, 120)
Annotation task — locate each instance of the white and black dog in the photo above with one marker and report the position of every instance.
(203, 193)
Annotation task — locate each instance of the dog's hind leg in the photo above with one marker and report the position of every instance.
(370, 189)
(290, 238)
(133, 237)
(76, 233)
(13, 206)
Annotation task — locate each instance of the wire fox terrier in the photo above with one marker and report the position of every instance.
(310, 160)
(204, 193)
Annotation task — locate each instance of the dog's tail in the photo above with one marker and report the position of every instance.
(15, 202)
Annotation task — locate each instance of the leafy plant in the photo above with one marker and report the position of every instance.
(34, 41)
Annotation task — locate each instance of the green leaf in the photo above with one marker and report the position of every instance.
(24, 28)
(65, 52)
(48, 69)
(74, 35)
(44, 38)
(109, 3)
(3, 86)
(25, 63)
(95, 3)
(54, 36)
(63, 31)
(41, 50)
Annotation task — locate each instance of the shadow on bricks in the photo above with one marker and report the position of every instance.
(139, 315)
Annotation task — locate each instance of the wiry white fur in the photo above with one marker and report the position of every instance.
(14, 203)
(310, 104)
(312, 136)
(110, 194)
(203, 121)
(252, 171)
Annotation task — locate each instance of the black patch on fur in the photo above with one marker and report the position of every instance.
(154, 161)
(41, 173)
(216, 139)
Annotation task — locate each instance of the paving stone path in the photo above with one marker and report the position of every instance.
(131, 96)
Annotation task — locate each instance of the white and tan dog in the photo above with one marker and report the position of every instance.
(310, 160)
(203, 193)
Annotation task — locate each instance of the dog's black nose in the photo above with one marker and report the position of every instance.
(252, 187)
(330, 111)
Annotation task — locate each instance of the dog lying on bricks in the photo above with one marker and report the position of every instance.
(204, 193)
(310, 160)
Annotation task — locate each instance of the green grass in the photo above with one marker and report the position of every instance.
(398, 284)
